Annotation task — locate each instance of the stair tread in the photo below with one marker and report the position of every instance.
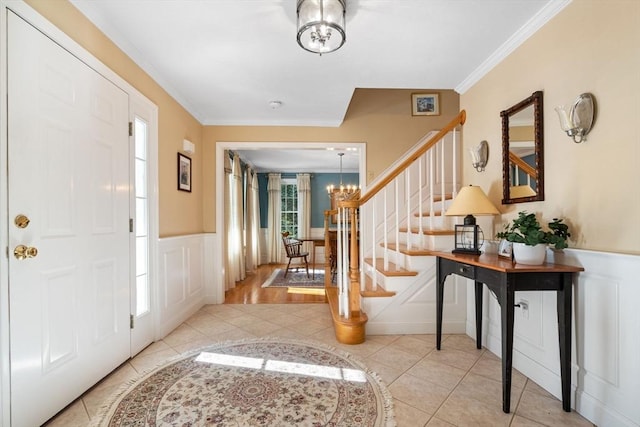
(379, 291)
(433, 232)
(393, 269)
(427, 214)
(402, 247)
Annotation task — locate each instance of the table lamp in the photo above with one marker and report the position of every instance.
(470, 201)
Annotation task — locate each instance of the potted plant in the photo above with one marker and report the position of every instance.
(530, 241)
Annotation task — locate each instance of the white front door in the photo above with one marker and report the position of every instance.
(68, 157)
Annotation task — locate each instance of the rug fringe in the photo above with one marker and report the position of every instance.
(387, 400)
(271, 278)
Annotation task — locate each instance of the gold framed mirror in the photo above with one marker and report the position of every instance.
(522, 151)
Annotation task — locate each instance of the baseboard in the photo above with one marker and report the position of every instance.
(169, 324)
(415, 328)
(596, 412)
(545, 378)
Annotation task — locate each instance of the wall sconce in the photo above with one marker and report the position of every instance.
(578, 121)
(188, 146)
(480, 156)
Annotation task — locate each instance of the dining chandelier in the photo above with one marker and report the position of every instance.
(342, 192)
(321, 25)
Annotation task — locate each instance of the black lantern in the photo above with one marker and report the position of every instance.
(467, 239)
(470, 201)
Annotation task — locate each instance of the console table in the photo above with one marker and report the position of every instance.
(504, 277)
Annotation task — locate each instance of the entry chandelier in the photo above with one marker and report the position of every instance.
(321, 25)
(342, 192)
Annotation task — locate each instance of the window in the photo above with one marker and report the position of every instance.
(289, 207)
(143, 303)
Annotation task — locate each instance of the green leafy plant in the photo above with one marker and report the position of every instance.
(526, 229)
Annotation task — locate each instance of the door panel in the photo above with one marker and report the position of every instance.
(59, 309)
(68, 157)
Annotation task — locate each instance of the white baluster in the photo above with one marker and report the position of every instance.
(432, 190)
(339, 261)
(385, 231)
(420, 187)
(374, 272)
(443, 175)
(455, 162)
(397, 220)
(408, 192)
(345, 262)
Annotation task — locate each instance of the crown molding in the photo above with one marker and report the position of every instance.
(531, 27)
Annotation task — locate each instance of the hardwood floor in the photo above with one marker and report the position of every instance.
(249, 291)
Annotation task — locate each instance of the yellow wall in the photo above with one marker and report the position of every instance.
(379, 117)
(521, 133)
(180, 212)
(591, 46)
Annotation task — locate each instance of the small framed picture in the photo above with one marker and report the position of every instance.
(184, 173)
(505, 248)
(425, 104)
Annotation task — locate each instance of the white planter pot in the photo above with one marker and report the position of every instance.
(532, 255)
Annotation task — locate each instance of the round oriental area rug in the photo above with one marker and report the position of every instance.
(261, 382)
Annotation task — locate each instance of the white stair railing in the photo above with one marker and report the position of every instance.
(427, 174)
(428, 181)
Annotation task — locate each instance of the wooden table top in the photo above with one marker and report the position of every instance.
(505, 265)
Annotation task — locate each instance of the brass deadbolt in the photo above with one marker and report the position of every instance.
(21, 221)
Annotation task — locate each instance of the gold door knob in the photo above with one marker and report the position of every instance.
(22, 252)
(21, 221)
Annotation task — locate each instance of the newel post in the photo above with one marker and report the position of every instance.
(354, 257)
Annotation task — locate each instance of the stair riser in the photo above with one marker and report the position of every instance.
(437, 222)
(409, 262)
(431, 242)
(393, 283)
(412, 310)
(428, 223)
(439, 243)
(419, 263)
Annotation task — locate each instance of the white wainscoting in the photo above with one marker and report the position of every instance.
(606, 336)
(186, 280)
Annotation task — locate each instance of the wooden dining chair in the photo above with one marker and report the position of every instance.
(333, 254)
(293, 247)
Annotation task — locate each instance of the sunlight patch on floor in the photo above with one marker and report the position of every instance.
(305, 291)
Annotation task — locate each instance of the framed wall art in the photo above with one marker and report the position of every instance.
(505, 249)
(425, 104)
(184, 173)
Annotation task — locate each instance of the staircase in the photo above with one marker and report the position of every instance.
(386, 278)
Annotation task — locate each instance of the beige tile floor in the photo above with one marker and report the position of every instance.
(457, 386)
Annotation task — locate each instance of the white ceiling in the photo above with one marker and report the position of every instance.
(226, 60)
